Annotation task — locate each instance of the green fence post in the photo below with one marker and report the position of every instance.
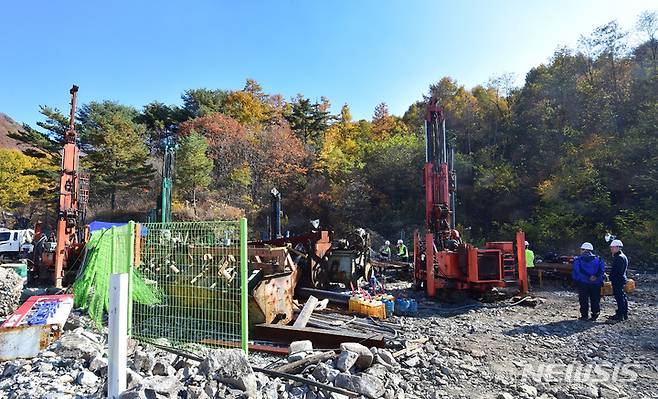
(244, 319)
(131, 265)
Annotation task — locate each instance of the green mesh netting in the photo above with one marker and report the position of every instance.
(109, 251)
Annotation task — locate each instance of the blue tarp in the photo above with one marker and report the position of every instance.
(98, 225)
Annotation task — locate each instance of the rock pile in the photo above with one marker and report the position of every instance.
(11, 287)
(228, 374)
(76, 366)
(62, 371)
(476, 352)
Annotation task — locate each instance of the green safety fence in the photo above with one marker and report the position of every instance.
(199, 270)
(110, 251)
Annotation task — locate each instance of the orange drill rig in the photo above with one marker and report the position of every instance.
(53, 255)
(442, 261)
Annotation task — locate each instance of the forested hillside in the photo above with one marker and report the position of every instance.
(567, 156)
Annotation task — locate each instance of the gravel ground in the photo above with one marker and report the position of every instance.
(483, 352)
(468, 351)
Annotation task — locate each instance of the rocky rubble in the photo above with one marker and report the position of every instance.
(61, 371)
(228, 374)
(11, 287)
(449, 352)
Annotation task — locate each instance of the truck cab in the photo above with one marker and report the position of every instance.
(14, 243)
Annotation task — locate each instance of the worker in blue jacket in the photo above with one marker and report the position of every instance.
(588, 273)
(618, 280)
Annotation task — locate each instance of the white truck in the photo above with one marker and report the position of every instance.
(15, 244)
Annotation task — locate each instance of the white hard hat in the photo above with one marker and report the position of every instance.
(588, 246)
(616, 243)
(387, 242)
(527, 244)
(400, 242)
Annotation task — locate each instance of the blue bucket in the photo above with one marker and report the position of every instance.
(406, 307)
(401, 306)
(390, 307)
(413, 308)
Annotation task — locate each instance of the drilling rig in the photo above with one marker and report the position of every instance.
(442, 261)
(55, 253)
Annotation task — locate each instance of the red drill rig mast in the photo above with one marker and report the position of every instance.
(437, 177)
(443, 261)
(51, 258)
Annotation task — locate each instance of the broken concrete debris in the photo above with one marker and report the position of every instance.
(346, 360)
(365, 384)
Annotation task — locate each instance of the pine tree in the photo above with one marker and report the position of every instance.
(193, 168)
(115, 147)
(308, 120)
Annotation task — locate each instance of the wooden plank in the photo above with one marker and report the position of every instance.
(307, 311)
(413, 348)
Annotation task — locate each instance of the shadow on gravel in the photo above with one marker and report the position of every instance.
(563, 328)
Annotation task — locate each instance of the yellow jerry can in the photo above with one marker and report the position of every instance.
(606, 288)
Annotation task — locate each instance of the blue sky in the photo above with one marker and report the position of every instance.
(359, 52)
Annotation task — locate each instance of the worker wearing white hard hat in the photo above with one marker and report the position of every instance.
(586, 246)
(529, 256)
(618, 280)
(616, 244)
(385, 250)
(588, 273)
(403, 252)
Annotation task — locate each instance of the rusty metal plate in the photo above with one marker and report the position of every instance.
(273, 297)
(26, 341)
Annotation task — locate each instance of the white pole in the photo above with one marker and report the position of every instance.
(118, 335)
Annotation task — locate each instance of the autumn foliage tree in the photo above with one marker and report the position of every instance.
(16, 184)
(248, 161)
(567, 155)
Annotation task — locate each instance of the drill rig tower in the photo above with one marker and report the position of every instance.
(442, 261)
(51, 257)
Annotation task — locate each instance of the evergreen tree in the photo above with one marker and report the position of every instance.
(193, 167)
(160, 121)
(202, 102)
(45, 147)
(115, 148)
(308, 120)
